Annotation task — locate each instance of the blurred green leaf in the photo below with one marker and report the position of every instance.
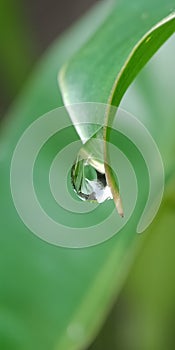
(16, 45)
(53, 298)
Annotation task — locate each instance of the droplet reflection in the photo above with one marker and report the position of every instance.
(89, 183)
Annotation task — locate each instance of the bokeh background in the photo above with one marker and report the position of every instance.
(27, 28)
(143, 317)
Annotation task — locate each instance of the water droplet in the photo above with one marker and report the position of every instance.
(88, 182)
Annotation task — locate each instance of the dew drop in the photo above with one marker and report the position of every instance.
(88, 182)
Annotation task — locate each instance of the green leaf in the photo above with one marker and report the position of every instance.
(55, 298)
(86, 77)
(16, 46)
(149, 292)
(128, 38)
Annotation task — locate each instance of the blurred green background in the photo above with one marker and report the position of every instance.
(27, 28)
(143, 317)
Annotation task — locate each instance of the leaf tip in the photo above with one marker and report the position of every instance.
(119, 206)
